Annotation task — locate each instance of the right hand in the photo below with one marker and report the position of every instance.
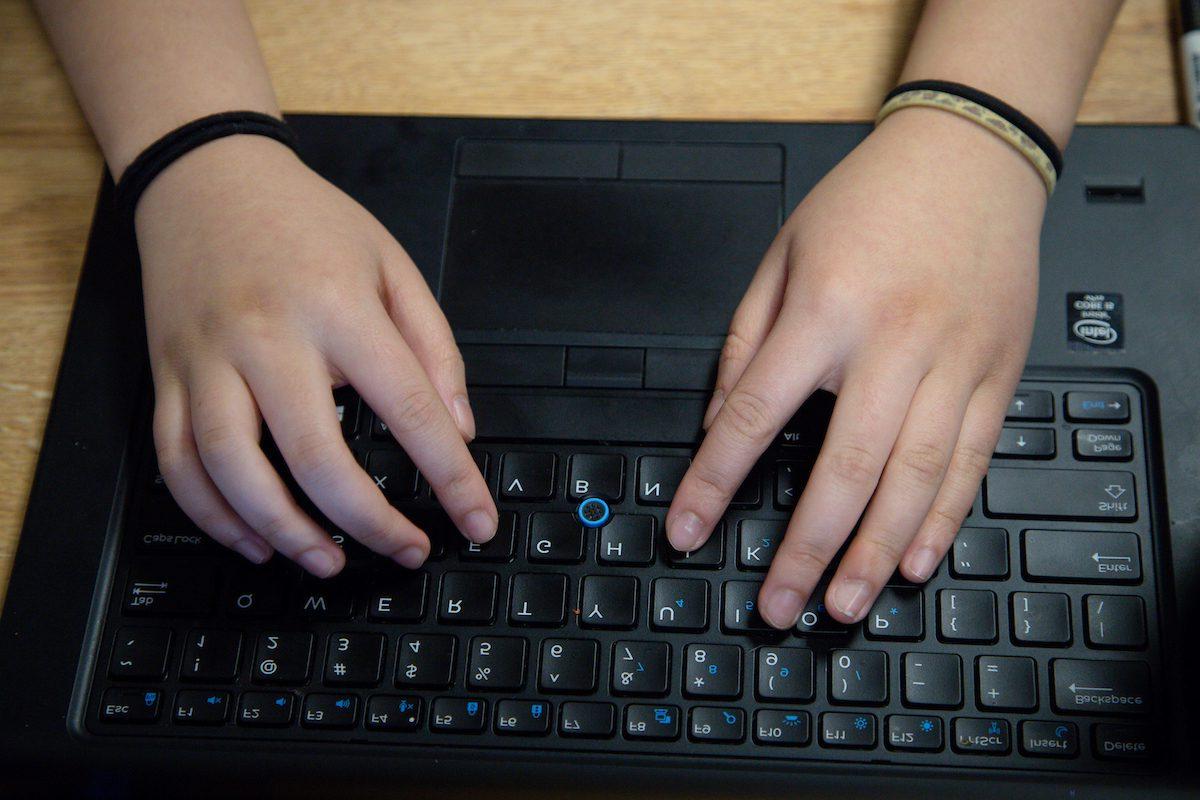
(266, 287)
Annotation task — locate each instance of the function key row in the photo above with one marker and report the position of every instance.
(595, 720)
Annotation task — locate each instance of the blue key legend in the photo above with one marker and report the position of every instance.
(593, 512)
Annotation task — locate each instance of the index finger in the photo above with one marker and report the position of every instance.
(755, 410)
(384, 370)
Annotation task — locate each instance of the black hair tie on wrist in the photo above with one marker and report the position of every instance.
(996, 106)
(186, 138)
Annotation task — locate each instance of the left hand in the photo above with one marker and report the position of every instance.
(906, 284)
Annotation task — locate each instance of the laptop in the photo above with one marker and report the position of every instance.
(589, 270)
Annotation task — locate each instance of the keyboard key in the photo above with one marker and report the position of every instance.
(847, 730)
(258, 591)
(140, 654)
(907, 732)
(989, 737)
(425, 660)
(858, 676)
(758, 539)
(1031, 404)
(438, 528)
(785, 674)
(1093, 444)
(1097, 406)
(1041, 618)
(595, 475)
(710, 555)
(587, 720)
(749, 494)
(329, 711)
(1025, 443)
(555, 538)
(347, 405)
(980, 553)
(679, 604)
(783, 727)
(608, 602)
(712, 670)
(1100, 687)
(327, 599)
(641, 668)
(394, 474)
(130, 706)
(468, 598)
(1110, 556)
(1060, 494)
(523, 717)
(709, 724)
(195, 707)
(739, 607)
(627, 539)
(179, 589)
(266, 709)
(966, 615)
(211, 655)
(354, 659)
(1115, 621)
(652, 722)
(568, 666)
(527, 476)
(658, 477)
(1006, 682)
(538, 599)
(282, 657)
(496, 662)
(815, 619)
(458, 715)
(400, 597)
(1122, 742)
(379, 430)
(897, 614)
(933, 680)
(1049, 739)
(790, 479)
(388, 712)
(499, 548)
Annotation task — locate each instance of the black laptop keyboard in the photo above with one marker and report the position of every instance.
(1036, 645)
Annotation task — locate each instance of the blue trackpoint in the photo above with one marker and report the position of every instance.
(593, 512)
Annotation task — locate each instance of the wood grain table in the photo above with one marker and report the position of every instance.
(662, 59)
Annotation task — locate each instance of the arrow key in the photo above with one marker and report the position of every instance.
(1097, 406)
(1025, 443)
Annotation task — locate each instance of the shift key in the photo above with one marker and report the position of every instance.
(1060, 494)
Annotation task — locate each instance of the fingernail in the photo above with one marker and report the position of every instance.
(463, 416)
(253, 549)
(782, 608)
(410, 557)
(480, 526)
(850, 597)
(923, 563)
(714, 405)
(685, 532)
(318, 562)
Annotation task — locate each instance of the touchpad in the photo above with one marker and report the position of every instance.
(639, 239)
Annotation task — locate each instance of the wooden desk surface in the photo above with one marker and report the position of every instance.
(677, 59)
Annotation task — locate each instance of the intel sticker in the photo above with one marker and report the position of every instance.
(1095, 321)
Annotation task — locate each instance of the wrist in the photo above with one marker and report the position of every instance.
(216, 169)
(951, 144)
